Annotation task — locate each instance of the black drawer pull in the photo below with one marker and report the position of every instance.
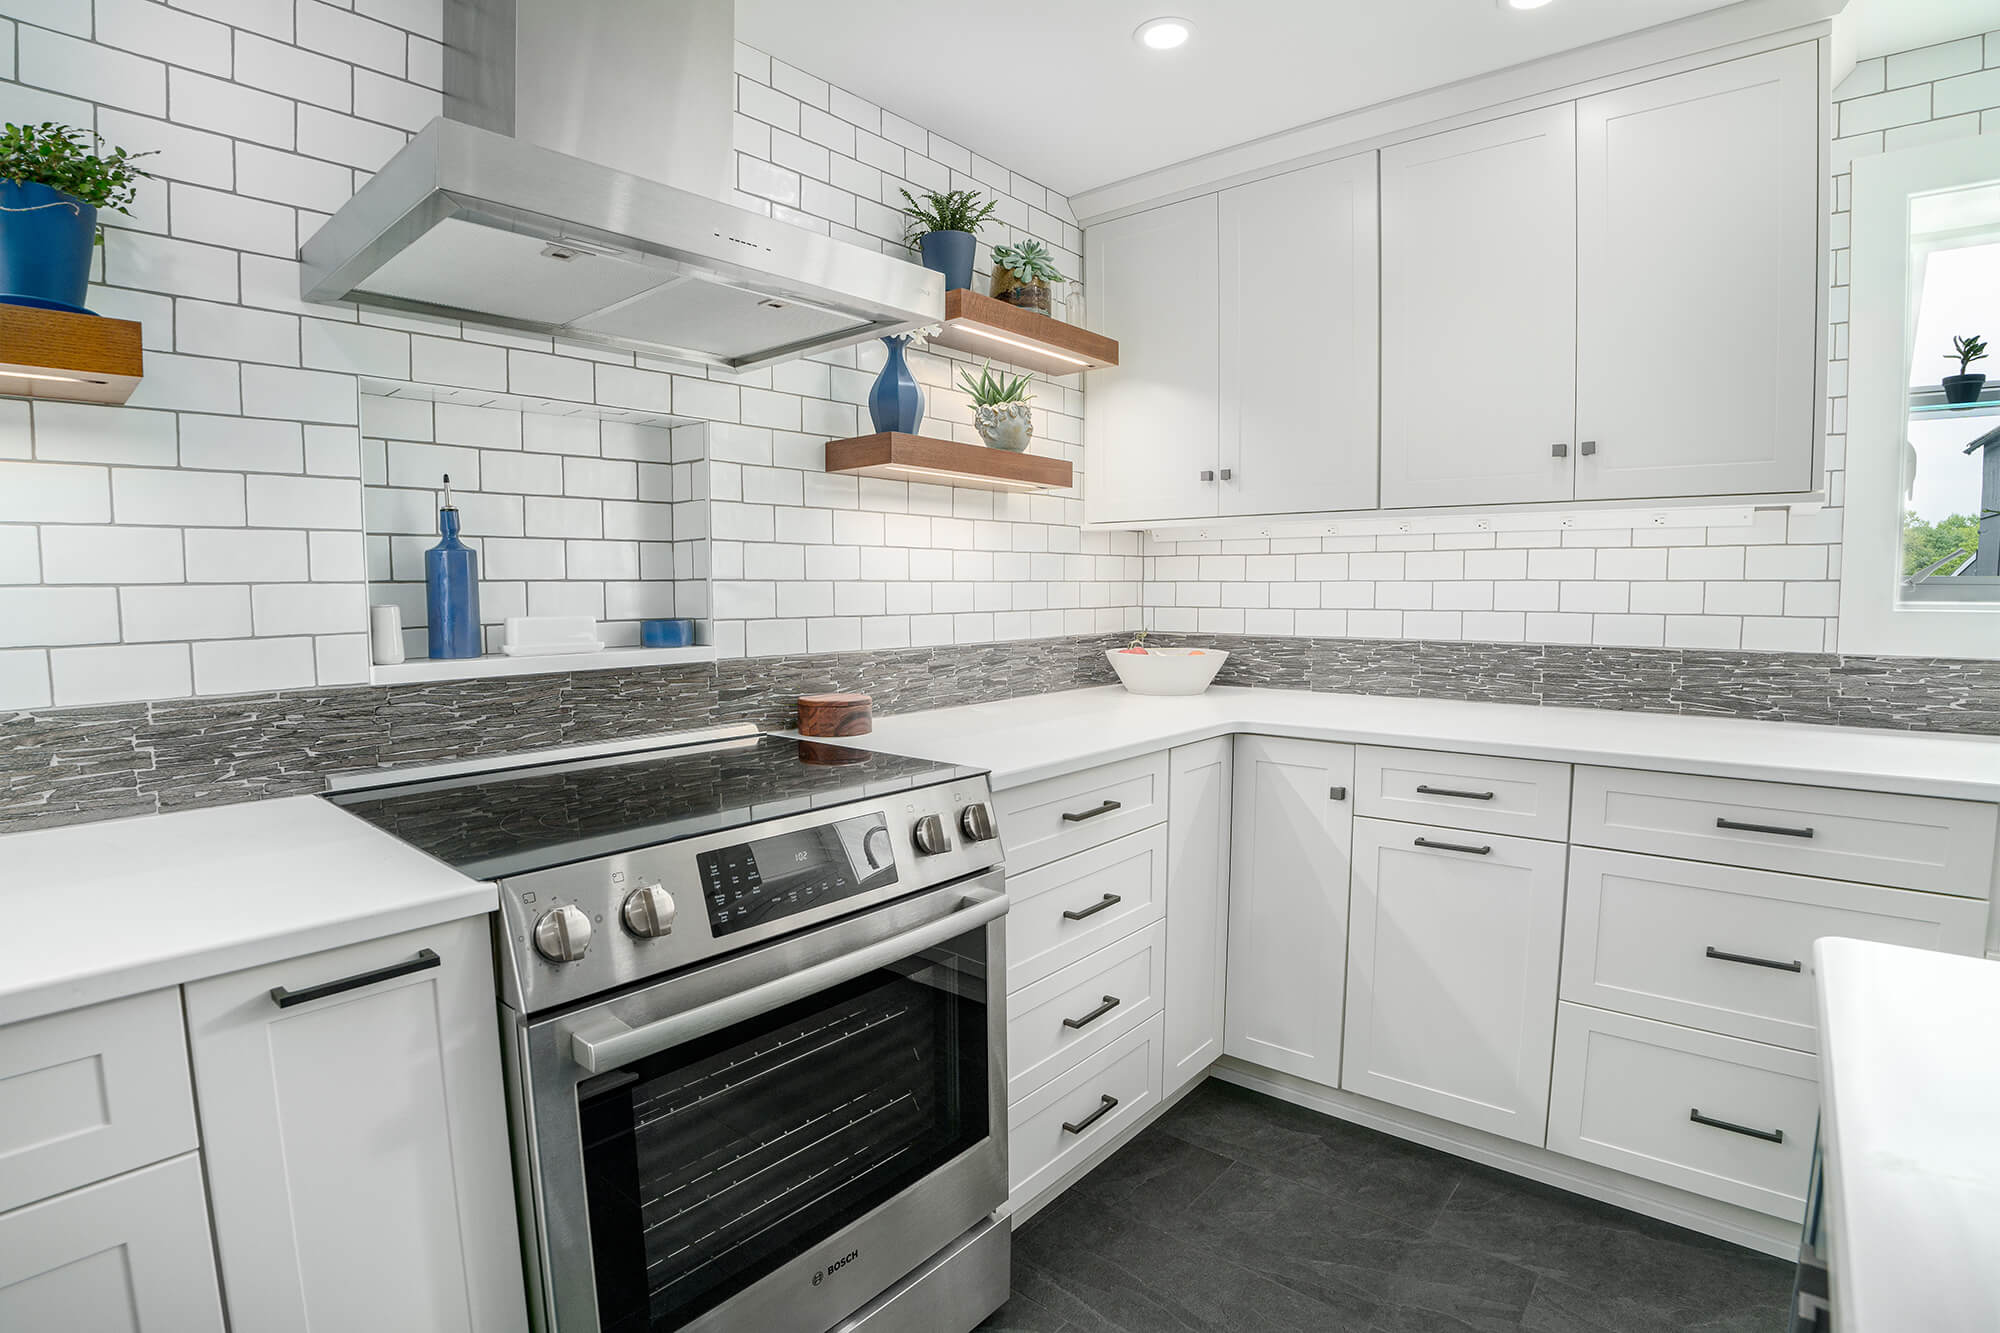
(1077, 817)
(1778, 829)
(1461, 795)
(1108, 900)
(1336, 793)
(1103, 1109)
(1768, 1135)
(1454, 847)
(424, 961)
(1753, 961)
(1110, 1003)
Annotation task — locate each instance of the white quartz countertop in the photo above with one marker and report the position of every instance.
(1025, 739)
(1910, 1125)
(98, 911)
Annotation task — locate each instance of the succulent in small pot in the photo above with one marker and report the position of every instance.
(1022, 274)
(1001, 409)
(1964, 387)
(944, 230)
(52, 182)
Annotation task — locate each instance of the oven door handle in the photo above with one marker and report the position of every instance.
(603, 1042)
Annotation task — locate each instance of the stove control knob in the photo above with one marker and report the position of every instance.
(563, 934)
(649, 911)
(930, 835)
(976, 822)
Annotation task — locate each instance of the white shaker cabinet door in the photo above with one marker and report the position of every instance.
(1198, 787)
(1698, 281)
(1289, 846)
(1150, 434)
(1299, 268)
(357, 1142)
(1452, 973)
(1479, 313)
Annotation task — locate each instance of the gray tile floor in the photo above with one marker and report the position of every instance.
(1235, 1211)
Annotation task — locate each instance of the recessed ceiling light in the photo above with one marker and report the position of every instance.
(1164, 34)
(1522, 4)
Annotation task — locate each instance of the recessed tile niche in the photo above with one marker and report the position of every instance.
(573, 513)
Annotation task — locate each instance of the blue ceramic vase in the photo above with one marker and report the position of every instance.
(950, 253)
(896, 402)
(451, 589)
(47, 239)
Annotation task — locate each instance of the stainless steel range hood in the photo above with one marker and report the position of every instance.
(569, 191)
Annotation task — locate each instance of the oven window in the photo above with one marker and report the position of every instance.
(710, 1165)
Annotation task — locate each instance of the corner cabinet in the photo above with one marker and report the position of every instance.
(356, 1138)
(1247, 380)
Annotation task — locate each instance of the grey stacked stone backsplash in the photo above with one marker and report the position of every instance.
(65, 766)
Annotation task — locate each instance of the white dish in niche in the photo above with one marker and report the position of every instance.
(1167, 670)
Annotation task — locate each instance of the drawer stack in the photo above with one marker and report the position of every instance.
(1086, 962)
(1685, 1034)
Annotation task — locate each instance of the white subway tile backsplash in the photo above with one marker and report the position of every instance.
(77, 68)
(184, 611)
(244, 666)
(237, 555)
(114, 673)
(303, 502)
(176, 498)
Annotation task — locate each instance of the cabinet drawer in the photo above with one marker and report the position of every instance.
(1057, 1125)
(1727, 949)
(1913, 842)
(131, 1253)
(1054, 818)
(1064, 911)
(1627, 1092)
(90, 1093)
(1524, 797)
(1087, 1006)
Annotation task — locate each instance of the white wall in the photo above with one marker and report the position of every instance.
(208, 538)
(1771, 584)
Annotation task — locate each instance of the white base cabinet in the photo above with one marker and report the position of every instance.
(127, 1255)
(1452, 972)
(356, 1144)
(1199, 784)
(1290, 841)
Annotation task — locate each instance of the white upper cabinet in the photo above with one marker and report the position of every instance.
(1150, 433)
(1479, 313)
(1697, 281)
(1299, 344)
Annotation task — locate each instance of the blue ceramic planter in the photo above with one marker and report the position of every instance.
(950, 253)
(896, 402)
(46, 242)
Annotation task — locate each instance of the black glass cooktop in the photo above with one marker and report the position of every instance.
(492, 825)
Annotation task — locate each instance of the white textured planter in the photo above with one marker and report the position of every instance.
(1006, 426)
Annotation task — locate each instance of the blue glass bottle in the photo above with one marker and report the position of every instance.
(451, 579)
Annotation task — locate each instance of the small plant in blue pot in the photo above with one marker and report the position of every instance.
(53, 179)
(944, 229)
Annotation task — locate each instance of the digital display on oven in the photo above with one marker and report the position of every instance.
(752, 883)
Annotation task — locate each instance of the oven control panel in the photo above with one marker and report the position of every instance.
(576, 930)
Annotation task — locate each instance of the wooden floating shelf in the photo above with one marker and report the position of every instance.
(983, 327)
(61, 354)
(919, 458)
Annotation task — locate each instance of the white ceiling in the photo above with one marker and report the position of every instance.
(1059, 91)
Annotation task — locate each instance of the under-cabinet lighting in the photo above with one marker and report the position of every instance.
(59, 379)
(1163, 34)
(954, 478)
(1523, 4)
(1084, 362)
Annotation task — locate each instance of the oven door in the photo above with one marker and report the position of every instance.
(770, 1141)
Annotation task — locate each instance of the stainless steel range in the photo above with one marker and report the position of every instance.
(753, 1009)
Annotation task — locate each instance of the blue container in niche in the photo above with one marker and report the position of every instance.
(666, 633)
(46, 246)
(451, 588)
(896, 402)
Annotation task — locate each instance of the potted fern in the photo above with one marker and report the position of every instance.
(1022, 274)
(1000, 409)
(1964, 387)
(53, 180)
(944, 229)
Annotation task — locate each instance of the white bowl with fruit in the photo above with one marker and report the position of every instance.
(1144, 670)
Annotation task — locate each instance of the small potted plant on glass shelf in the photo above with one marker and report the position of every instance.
(1964, 387)
(1000, 409)
(1022, 274)
(52, 182)
(944, 230)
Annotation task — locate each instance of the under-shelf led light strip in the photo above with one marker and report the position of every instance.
(59, 379)
(955, 478)
(1024, 346)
